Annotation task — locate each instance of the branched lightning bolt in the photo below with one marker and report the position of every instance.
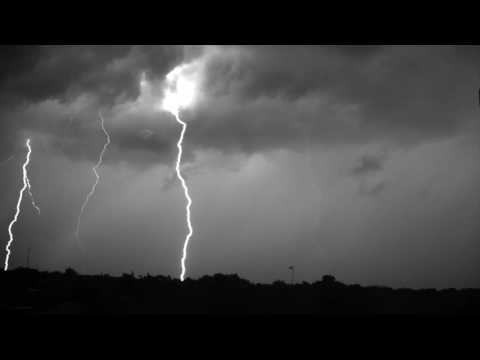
(94, 169)
(29, 187)
(185, 189)
(26, 184)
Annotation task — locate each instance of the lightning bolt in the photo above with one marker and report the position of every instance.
(94, 169)
(26, 185)
(185, 189)
(180, 93)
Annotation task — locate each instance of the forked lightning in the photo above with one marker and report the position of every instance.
(97, 177)
(26, 185)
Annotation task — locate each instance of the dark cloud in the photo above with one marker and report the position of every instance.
(285, 71)
(277, 97)
(36, 73)
(106, 75)
(337, 94)
(368, 164)
(256, 97)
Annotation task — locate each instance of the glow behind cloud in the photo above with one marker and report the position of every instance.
(181, 89)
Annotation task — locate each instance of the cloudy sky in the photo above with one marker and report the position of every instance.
(358, 161)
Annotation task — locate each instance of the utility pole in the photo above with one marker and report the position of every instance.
(292, 269)
(28, 257)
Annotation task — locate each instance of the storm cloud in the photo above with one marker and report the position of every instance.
(255, 97)
(360, 161)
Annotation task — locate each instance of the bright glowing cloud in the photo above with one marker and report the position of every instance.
(182, 88)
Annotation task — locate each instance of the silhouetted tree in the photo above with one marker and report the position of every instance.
(219, 293)
(328, 279)
(70, 272)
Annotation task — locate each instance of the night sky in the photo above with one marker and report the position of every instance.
(356, 161)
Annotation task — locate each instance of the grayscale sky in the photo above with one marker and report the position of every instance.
(357, 161)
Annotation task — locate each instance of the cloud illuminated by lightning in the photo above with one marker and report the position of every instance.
(181, 94)
(26, 184)
(94, 169)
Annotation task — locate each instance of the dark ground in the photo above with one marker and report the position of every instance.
(28, 291)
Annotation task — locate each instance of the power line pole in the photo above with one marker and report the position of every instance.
(292, 269)
(28, 257)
